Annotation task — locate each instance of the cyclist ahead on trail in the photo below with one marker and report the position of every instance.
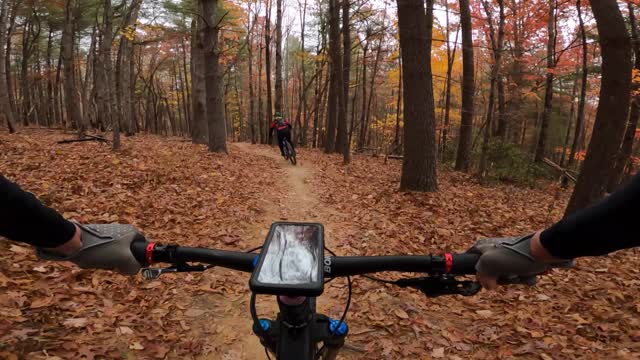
(283, 129)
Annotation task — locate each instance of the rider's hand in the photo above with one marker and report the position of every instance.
(102, 247)
(515, 260)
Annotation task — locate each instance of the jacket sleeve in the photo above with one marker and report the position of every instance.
(24, 218)
(607, 226)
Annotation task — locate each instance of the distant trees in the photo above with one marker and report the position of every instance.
(347, 78)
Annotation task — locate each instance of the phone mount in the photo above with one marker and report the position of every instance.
(439, 285)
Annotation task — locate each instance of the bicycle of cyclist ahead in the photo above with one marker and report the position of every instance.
(289, 151)
(293, 267)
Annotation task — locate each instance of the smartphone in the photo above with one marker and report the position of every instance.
(291, 261)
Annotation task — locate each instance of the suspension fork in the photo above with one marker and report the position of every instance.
(298, 329)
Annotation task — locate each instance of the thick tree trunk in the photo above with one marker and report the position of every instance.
(5, 103)
(200, 127)
(613, 109)
(213, 78)
(419, 163)
(70, 92)
(463, 158)
(624, 154)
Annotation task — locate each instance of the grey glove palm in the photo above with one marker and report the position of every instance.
(104, 246)
(510, 260)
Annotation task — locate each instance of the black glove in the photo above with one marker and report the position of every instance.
(105, 246)
(510, 260)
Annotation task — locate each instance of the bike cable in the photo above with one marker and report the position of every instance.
(254, 249)
(346, 309)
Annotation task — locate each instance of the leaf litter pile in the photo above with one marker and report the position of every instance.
(176, 192)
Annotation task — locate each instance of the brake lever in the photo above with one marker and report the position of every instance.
(434, 286)
(154, 273)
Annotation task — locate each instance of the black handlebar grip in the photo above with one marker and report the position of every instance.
(139, 251)
(464, 264)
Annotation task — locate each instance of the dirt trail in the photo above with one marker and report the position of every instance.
(293, 199)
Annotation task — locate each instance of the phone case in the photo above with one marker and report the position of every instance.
(310, 289)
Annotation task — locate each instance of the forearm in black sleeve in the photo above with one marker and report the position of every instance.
(610, 225)
(23, 218)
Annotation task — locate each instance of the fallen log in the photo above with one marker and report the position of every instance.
(85, 138)
(564, 172)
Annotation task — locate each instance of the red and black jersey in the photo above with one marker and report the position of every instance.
(280, 126)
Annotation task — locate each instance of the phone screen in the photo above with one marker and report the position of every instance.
(293, 256)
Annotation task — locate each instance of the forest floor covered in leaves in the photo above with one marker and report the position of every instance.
(176, 192)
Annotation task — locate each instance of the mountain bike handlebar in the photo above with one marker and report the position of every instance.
(335, 266)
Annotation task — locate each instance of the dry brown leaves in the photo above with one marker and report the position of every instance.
(589, 312)
(176, 192)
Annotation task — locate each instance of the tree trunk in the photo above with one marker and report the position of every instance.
(49, 101)
(200, 127)
(541, 148)
(318, 90)
(496, 45)
(577, 135)
(124, 92)
(12, 22)
(186, 87)
(572, 112)
(396, 138)
(363, 115)
(213, 78)
(27, 50)
(463, 158)
(624, 154)
(267, 63)
(451, 56)
(374, 73)
(343, 139)
(335, 66)
(419, 163)
(70, 92)
(262, 137)
(279, 91)
(5, 103)
(252, 105)
(103, 67)
(613, 109)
